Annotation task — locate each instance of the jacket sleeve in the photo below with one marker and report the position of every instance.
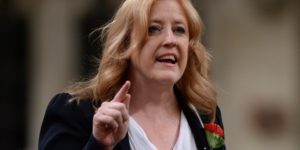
(67, 125)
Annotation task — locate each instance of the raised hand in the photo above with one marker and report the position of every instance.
(110, 122)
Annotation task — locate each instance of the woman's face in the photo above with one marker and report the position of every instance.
(164, 55)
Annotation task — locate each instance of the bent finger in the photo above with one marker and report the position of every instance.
(107, 122)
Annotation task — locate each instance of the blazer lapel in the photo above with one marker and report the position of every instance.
(194, 123)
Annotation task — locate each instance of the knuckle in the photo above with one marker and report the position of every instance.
(118, 114)
(104, 104)
(120, 106)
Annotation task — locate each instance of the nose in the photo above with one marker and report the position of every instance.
(169, 38)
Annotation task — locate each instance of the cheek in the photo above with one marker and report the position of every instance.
(140, 58)
(134, 58)
(185, 52)
(186, 57)
(148, 52)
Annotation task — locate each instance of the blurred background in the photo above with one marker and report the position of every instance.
(255, 44)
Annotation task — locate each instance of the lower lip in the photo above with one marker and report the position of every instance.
(167, 64)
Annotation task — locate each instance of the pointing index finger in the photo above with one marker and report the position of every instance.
(121, 95)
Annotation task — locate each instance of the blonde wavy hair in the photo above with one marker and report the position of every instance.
(118, 46)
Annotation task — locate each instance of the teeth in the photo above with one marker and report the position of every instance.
(167, 59)
(170, 57)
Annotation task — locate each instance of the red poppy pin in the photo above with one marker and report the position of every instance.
(214, 134)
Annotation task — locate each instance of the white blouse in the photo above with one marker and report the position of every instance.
(139, 141)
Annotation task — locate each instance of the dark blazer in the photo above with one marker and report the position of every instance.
(68, 126)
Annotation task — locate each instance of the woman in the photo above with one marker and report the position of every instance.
(151, 86)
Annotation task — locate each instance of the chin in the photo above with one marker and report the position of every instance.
(168, 79)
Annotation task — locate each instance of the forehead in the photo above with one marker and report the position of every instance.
(167, 9)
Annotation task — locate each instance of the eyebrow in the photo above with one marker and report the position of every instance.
(177, 21)
(155, 21)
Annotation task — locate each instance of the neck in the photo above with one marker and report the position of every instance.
(150, 97)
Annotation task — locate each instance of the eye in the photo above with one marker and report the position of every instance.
(179, 30)
(154, 29)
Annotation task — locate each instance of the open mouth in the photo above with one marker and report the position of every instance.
(167, 59)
